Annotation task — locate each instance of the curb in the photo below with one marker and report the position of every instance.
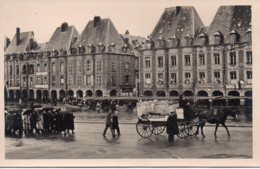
(131, 123)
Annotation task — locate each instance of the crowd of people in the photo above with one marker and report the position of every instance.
(38, 121)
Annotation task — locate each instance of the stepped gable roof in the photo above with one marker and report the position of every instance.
(177, 21)
(24, 43)
(231, 19)
(100, 31)
(63, 37)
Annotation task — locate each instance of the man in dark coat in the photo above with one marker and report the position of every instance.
(182, 101)
(172, 127)
(115, 124)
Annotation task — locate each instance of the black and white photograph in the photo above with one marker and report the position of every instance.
(128, 80)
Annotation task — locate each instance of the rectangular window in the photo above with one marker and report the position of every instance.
(202, 59)
(160, 61)
(173, 79)
(62, 67)
(201, 77)
(99, 65)
(98, 79)
(127, 79)
(249, 57)
(70, 80)
(113, 66)
(79, 66)
(61, 80)
(38, 80)
(31, 81)
(147, 62)
(127, 67)
(187, 60)
(17, 69)
(216, 59)
(38, 68)
(45, 67)
(174, 62)
(147, 78)
(89, 80)
(113, 80)
(45, 81)
(78, 80)
(70, 67)
(217, 77)
(53, 67)
(233, 75)
(160, 78)
(187, 78)
(233, 58)
(11, 70)
(24, 81)
(249, 74)
(88, 65)
(53, 80)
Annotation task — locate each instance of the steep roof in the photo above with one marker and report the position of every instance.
(100, 31)
(177, 21)
(23, 45)
(231, 18)
(134, 41)
(62, 39)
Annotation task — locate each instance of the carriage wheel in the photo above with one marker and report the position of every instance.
(182, 130)
(144, 130)
(158, 130)
(191, 129)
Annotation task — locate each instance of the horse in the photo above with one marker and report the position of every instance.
(216, 116)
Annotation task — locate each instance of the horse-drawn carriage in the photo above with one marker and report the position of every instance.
(152, 118)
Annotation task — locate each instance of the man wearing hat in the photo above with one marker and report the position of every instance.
(172, 127)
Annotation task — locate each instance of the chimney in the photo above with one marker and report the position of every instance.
(97, 20)
(17, 36)
(64, 26)
(6, 43)
(31, 44)
(127, 37)
(178, 9)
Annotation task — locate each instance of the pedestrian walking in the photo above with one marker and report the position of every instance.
(109, 124)
(115, 124)
(172, 127)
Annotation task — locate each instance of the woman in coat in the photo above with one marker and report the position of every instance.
(172, 127)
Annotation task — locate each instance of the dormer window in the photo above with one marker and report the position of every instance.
(188, 40)
(81, 49)
(249, 35)
(73, 50)
(111, 47)
(101, 47)
(124, 48)
(203, 39)
(234, 37)
(161, 43)
(218, 38)
(149, 43)
(91, 48)
(55, 52)
(48, 53)
(174, 41)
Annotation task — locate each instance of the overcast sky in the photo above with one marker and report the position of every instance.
(44, 16)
